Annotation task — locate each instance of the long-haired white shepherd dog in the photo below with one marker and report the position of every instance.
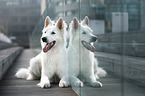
(80, 54)
(52, 59)
(66, 63)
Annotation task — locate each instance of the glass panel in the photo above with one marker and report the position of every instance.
(119, 26)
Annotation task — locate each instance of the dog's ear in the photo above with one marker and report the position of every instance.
(47, 21)
(60, 23)
(75, 23)
(86, 20)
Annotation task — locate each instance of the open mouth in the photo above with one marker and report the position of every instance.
(88, 46)
(48, 46)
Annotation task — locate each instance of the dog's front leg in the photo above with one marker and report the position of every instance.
(64, 82)
(93, 82)
(44, 83)
(76, 82)
(45, 76)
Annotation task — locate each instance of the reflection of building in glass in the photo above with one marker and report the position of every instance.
(133, 7)
(129, 42)
(101, 10)
(67, 9)
(101, 14)
(63, 8)
(20, 17)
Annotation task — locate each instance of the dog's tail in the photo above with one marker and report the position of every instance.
(101, 72)
(22, 73)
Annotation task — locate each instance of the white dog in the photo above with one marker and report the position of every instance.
(52, 59)
(80, 54)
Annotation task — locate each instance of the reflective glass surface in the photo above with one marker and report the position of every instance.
(119, 26)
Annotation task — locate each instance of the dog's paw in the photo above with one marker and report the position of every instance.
(44, 85)
(78, 84)
(30, 77)
(63, 84)
(97, 84)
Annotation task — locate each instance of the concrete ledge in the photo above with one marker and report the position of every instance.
(4, 45)
(7, 56)
(131, 68)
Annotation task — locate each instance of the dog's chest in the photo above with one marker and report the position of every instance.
(54, 58)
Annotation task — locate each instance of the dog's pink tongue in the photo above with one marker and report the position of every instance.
(92, 48)
(46, 48)
(89, 46)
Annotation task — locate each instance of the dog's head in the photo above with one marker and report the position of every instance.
(52, 34)
(83, 33)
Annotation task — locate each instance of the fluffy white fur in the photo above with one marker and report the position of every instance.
(81, 61)
(77, 59)
(46, 64)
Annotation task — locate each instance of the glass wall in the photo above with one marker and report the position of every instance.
(119, 26)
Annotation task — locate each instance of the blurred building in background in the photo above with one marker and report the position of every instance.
(18, 19)
(119, 24)
(63, 8)
(124, 27)
(67, 9)
(134, 8)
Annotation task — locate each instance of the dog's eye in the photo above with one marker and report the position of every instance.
(52, 32)
(84, 32)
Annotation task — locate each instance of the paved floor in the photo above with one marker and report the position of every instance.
(112, 86)
(11, 86)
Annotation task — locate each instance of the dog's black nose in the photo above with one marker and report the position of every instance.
(94, 39)
(44, 39)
